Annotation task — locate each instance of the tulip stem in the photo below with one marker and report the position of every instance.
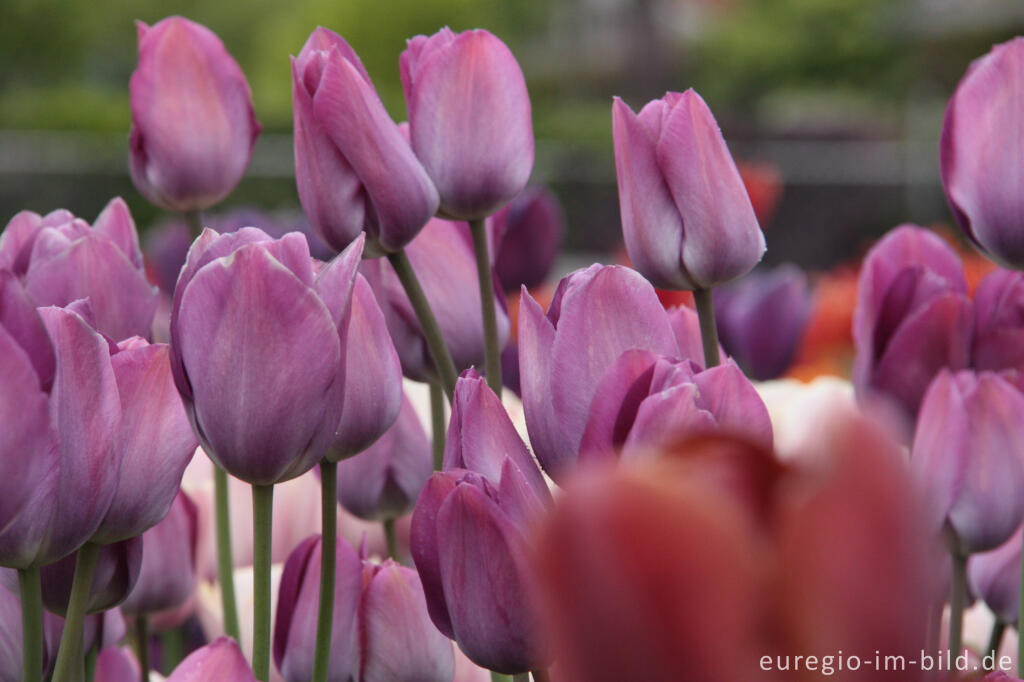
(957, 603)
(994, 640)
(263, 518)
(31, 624)
(428, 323)
(142, 645)
(521, 677)
(225, 558)
(437, 423)
(391, 536)
(328, 568)
(708, 328)
(172, 646)
(485, 278)
(194, 220)
(70, 663)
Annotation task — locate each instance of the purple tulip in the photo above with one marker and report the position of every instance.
(913, 317)
(761, 319)
(354, 169)
(982, 153)
(442, 256)
(193, 126)
(384, 481)
(381, 631)
(596, 315)
(117, 570)
(995, 578)
(260, 347)
(10, 632)
(686, 327)
(116, 664)
(62, 259)
(167, 577)
(469, 119)
(966, 455)
(999, 322)
(646, 401)
(469, 540)
(219, 661)
(527, 234)
(686, 216)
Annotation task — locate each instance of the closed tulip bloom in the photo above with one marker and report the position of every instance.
(966, 455)
(526, 235)
(999, 322)
(912, 318)
(686, 217)
(62, 259)
(469, 119)
(354, 169)
(167, 577)
(384, 481)
(259, 347)
(464, 521)
(596, 315)
(442, 256)
(193, 126)
(981, 153)
(995, 578)
(761, 319)
(219, 661)
(116, 572)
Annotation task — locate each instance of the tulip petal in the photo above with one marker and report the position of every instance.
(622, 389)
(19, 318)
(536, 339)
(115, 222)
(17, 239)
(423, 542)
(219, 660)
(726, 393)
(995, 577)
(335, 281)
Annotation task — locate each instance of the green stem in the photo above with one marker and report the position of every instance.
(142, 645)
(172, 644)
(521, 677)
(485, 278)
(70, 664)
(957, 602)
(708, 328)
(994, 640)
(498, 677)
(428, 323)
(391, 535)
(90, 663)
(194, 220)
(31, 624)
(225, 558)
(437, 423)
(328, 561)
(262, 517)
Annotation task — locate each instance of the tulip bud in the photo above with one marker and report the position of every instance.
(116, 664)
(995, 578)
(761, 319)
(999, 322)
(384, 481)
(442, 256)
(981, 153)
(167, 577)
(686, 216)
(912, 317)
(463, 521)
(527, 234)
(971, 426)
(193, 126)
(596, 315)
(353, 168)
(116, 572)
(218, 661)
(62, 259)
(469, 119)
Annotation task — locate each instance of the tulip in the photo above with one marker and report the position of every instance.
(994, 577)
(258, 351)
(596, 315)
(218, 661)
(686, 327)
(469, 119)
(981, 153)
(115, 574)
(354, 169)
(526, 236)
(966, 456)
(442, 256)
(463, 521)
(999, 322)
(62, 259)
(381, 631)
(167, 577)
(384, 481)
(10, 635)
(193, 126)
(761, 319)
(912, 317)
(686, 216)
(116, 664)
